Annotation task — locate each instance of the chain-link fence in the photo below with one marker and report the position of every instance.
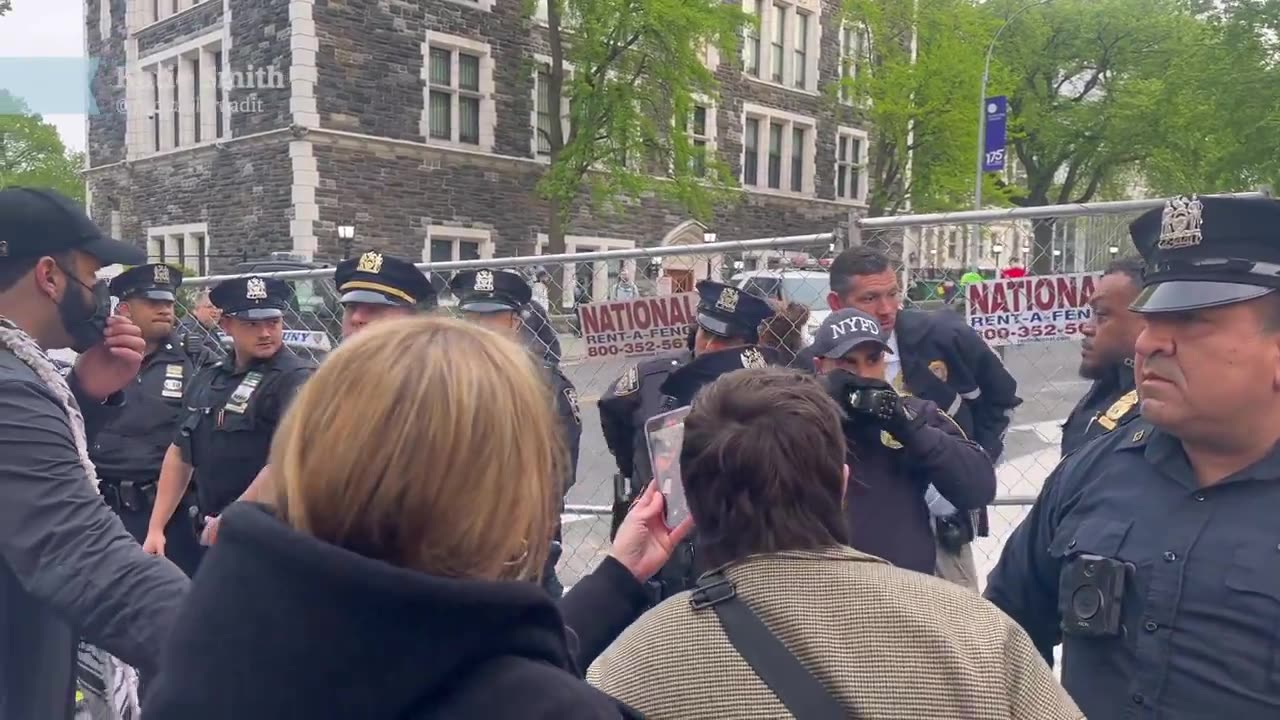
(1022, 276)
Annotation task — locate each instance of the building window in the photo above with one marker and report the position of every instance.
(542, 108)
(184, 245)
(701, 129)
(181, 97)
(853, 49)
(751, 147)
(751, 48)
(792, 32)
(851, 165)
(790, 144)
(590, 281)
(459, 87)
(454, 244)
(484, 5)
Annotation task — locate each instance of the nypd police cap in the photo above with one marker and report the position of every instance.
(252, 298)
(729, 311)
(846, 329)
(1204, 252)
(156, 281)
(486, 291)
(378, 279)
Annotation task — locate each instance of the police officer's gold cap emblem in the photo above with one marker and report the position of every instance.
(728, 301)
(484, 281)
(161, 275)
(370, 262)
(1180, 223)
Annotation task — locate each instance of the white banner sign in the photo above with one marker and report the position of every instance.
(1035, 308)
(638, 327)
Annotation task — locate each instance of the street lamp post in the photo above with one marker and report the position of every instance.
(346, 233)
(996, 250)
(982, 104)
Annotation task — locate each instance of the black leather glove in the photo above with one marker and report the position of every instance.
(875, 400)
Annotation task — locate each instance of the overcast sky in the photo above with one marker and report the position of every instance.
(47, 28)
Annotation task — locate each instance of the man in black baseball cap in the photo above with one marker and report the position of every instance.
(902, 444)
(376, 286)
(70, 568)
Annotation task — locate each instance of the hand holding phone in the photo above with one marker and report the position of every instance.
(665, 436)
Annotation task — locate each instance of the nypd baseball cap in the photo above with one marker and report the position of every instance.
(846, 329)
(35, 222)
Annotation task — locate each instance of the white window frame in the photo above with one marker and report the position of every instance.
(766, 32)
(457, 236)
(180, 238)
(710, 135)
(851, 59)
(600, 268)
(481, 5)
(143, 13)
(789, 121)
(488, 117)
(859, 164)
(543, 62)
(189, 93)
(104, 19)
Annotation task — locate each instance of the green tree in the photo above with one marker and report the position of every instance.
(922, 104)
(1088, 82)
(631, 73)
(32, 153)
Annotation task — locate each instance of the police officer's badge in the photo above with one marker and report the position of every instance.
(239, 401)
(939, 370)
(1180, 223)
(161, 275)
(889, 441)
(628, 383)
(370, 262)
(484, 281)
(255, 289)
(571, 396)
(752, 358)
(1118, 410)
(728, 301)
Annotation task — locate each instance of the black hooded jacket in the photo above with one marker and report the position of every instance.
(280, 625)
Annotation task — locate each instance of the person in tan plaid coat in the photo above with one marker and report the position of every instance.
(763, 469)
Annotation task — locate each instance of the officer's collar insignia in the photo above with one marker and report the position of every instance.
(752, 358)
(1137, 437)
(161, 275)
(370, 262)
(1180, 223)
(889, 441)
(939, 370)
(484, 281)
(628, 383)
(255, 289)
(1114, 414)
(728, 301)
(571, 396)
(4, 248)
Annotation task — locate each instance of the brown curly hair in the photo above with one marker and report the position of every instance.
(784, 331)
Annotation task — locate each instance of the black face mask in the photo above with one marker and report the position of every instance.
(85, 320)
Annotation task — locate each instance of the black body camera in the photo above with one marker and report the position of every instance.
(871, 401)
(1091, 595)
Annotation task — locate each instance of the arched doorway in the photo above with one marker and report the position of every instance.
(680, 273)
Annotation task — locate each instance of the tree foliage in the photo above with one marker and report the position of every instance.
(631, 72)
(32, 153)
(922, 108)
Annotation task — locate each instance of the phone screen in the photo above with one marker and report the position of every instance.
(665, 436)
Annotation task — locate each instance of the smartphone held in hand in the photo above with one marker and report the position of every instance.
(665, 435)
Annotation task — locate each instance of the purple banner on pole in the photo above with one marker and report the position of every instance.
(993, 146)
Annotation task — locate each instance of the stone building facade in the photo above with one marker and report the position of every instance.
(236, 128)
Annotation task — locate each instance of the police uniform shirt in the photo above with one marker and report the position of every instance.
(569, 415)
(1109, 404)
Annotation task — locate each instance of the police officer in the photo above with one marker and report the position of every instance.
(496, 299)
(728, 323)
(376, 286)
(1153, 553)
(899, 445)
(1106, 357)
(938, 357)
(233, 407)
(129, 450)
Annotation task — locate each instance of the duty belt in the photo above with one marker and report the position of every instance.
(128, 495)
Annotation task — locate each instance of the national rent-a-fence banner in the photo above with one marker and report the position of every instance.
(638, 327)
(1035, 308)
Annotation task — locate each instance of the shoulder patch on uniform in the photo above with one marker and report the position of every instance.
(571, 396)
(939, 370)
(628, 383)
(1118, 410)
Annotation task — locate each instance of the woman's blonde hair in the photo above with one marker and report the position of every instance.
(428, 443)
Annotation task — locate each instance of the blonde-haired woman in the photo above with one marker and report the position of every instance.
(416, 479)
